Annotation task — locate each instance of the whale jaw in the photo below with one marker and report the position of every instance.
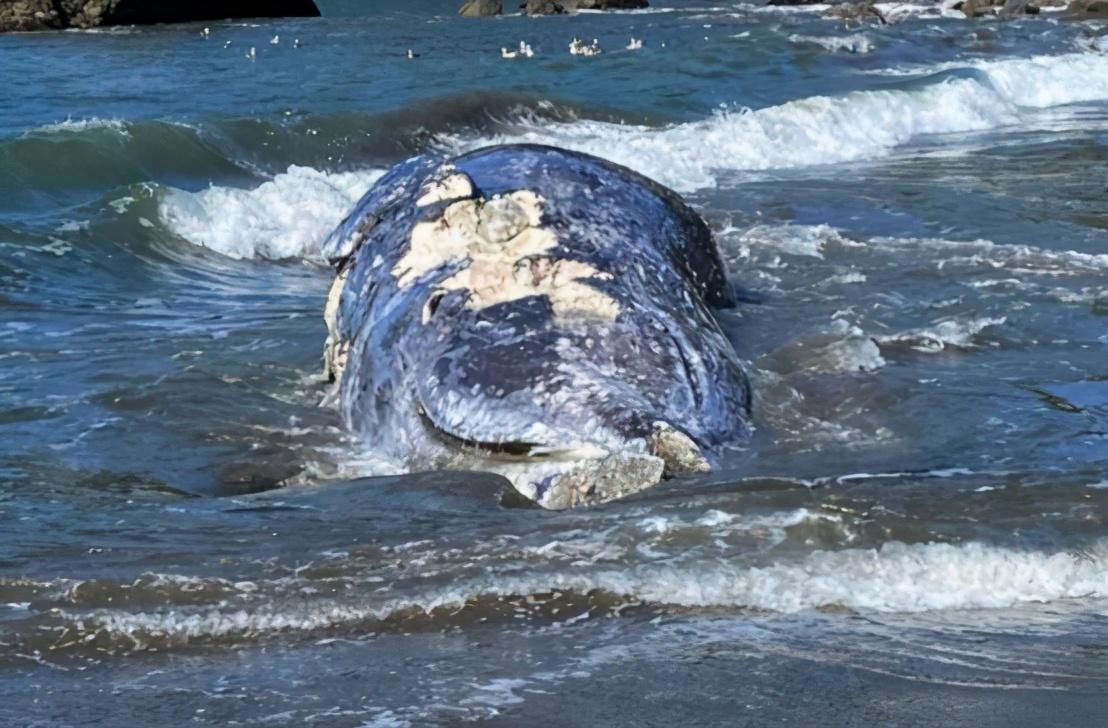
(599, 481)
(576, 473)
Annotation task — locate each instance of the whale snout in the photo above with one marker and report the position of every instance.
(670, 453)
(565, 461)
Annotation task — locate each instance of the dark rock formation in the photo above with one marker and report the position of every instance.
(1081, 9)
(543, 7)
(481, 8)
(859, 12)
(977, 8)
(24, 15)
(604, 4)
(1000, 8)
(1017, 8)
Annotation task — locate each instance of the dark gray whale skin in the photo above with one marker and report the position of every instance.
(571, 408)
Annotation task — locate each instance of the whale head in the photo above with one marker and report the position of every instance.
(520, 332)
(570, 411)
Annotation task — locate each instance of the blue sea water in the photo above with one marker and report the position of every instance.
(916, 215)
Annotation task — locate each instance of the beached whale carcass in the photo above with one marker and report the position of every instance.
(538, 313)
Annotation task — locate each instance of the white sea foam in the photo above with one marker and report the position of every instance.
(1017, 259)
(799, 240)
(896, 12)
(819, 130)
(896, 577)
(78, 125)
(818, 241)
(854, 352)
(288, 216)
(859, 43)
(1092, 44)
(954, 333)
(786, 9)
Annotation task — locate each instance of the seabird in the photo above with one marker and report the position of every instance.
(578, 48)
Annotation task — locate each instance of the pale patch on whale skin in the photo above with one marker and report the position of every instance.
(455, 186)
(336, 349)
(505, 244)
(499, 281)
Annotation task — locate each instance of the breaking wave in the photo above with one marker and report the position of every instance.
(895, 578)
(859, 43)
(291, 213)
(287, 217)
(863, 125)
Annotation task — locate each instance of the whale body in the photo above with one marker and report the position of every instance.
(538, 313)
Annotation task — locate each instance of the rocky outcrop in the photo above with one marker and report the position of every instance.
(559, 7)
(481, 8)
(25, 15)
(543, 7)
(860, 12)
(484, 8)
(974, 8)
(1081, 9)
(605, 4)
(1017, 8)
(1000, 8)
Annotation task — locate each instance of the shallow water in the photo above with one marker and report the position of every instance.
(916, 217)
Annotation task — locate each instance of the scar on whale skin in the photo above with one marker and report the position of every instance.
(506, 245)
(336, 349)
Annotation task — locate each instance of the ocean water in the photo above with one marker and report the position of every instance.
(916, 216)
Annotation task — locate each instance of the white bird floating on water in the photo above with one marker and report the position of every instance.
(227, 44)
(275, 40)
(207, 32)
(635, 44)
(526, 50)
(412, 54)
(577, 47)
(252, 53)
(295, 42)
(505, 53)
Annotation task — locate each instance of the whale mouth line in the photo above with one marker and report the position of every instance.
(506, 449)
